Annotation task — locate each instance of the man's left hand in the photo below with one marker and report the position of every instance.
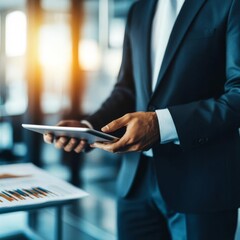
(142, 131)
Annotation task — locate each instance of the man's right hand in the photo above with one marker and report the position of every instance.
(68, 144)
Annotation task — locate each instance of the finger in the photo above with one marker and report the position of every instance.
(48, 138)
(116, 124)
(62, 123)
(61, 142)
(110, 148)
(72, 143)
(114, 147)
(103, 146)
(80, 147)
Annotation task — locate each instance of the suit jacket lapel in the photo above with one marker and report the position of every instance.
(185, 18)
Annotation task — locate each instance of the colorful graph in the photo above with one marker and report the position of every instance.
(25, 194)
(24, 184)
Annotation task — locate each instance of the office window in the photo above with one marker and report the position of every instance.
(16, 34)
(55, 59)
(15, 50)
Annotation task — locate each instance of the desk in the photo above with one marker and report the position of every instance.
(25, 187)
(58, 215)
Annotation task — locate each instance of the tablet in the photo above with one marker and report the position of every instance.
(90, 135)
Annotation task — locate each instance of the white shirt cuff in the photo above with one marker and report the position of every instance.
(167, 127)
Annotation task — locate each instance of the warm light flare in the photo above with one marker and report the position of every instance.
(89, 55)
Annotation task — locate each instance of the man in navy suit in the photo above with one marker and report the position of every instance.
(178, 99)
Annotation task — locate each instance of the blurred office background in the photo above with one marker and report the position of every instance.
(59, 59)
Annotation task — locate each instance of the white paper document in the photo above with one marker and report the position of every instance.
(26, 184)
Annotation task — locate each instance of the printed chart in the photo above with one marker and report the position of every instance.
(25, 184)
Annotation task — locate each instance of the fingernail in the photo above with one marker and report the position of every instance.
(105, 128)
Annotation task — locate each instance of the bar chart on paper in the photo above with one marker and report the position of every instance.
(25, 184)
(22, 194)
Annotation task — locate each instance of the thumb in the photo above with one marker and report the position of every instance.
(115, 125)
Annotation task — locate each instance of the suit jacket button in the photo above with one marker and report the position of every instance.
(201, 141)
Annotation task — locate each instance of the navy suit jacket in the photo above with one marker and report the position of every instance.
(199, 82)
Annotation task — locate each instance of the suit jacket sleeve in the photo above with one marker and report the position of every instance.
(206, 121)
(122, 98)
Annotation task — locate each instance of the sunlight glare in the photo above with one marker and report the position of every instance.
(55, 46)
(89, 55)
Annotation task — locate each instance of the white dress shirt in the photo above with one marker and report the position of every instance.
(165, 16)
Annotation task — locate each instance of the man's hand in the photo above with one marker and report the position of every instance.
(68, 144)
(142, 131)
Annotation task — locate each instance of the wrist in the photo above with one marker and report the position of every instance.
(156, 126)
